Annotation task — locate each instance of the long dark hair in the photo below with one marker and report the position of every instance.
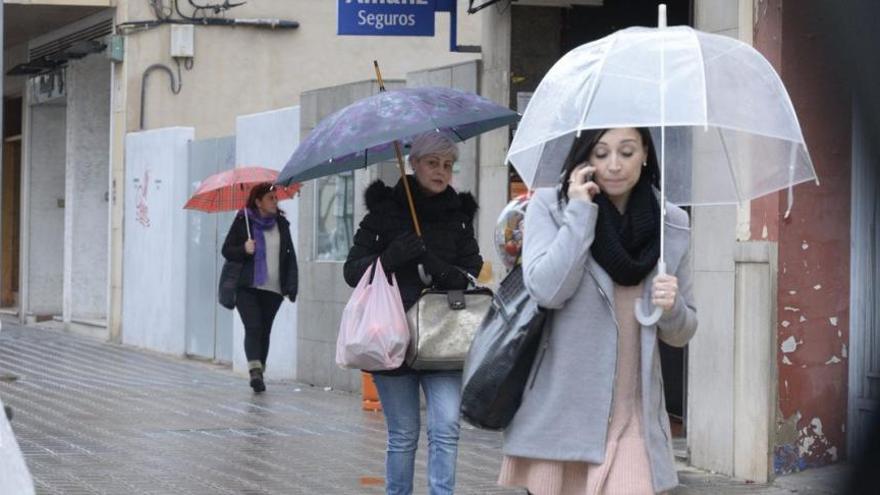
(258, 192)
(583, 146)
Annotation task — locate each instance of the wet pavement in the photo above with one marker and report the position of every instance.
(98, 418)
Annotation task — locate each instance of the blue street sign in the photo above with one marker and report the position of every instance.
(386, 17)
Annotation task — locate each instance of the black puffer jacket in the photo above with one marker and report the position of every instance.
(233, 250)
(447, 230)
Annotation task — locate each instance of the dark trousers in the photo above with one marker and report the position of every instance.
(257, 309)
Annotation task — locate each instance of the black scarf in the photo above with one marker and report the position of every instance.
(627, 246)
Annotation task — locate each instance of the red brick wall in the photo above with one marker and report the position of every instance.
(813, 288)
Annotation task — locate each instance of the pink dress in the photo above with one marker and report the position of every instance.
(627, 469)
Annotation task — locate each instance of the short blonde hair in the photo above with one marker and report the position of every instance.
(432, 143)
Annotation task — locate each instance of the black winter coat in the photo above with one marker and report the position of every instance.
(233, 250)
(447, 227)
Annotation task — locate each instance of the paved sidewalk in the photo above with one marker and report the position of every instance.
(96, 418)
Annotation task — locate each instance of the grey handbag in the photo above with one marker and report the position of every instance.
(442, 324)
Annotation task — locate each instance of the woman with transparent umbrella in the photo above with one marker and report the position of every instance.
(593, 418)
(726, 133)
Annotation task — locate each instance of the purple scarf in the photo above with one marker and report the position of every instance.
(261, 270)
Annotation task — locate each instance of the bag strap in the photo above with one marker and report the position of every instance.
(429, 280)
(499, 303)
(471, 279)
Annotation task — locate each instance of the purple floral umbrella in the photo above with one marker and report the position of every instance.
(364, 132)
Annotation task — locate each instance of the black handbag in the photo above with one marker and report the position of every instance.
(501, 356)
(229, 278)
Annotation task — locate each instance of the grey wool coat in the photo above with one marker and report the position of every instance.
(566, 407)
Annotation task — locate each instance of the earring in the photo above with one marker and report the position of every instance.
(645, 163)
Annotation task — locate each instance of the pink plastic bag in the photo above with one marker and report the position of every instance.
(373, 334)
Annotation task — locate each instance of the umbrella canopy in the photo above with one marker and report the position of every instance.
(229, 190)
(364, 132)
(731, 133)
(727, 128)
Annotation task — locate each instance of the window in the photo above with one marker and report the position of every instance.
(334, 217)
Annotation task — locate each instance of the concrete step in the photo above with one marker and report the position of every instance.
(680, 450)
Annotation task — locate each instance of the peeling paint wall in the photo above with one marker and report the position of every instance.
(813, 293)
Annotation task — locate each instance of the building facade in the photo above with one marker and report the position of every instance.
(81, 75)
(781, 375)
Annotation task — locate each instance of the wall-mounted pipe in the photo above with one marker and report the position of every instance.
(175, 88)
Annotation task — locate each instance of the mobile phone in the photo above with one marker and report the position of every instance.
(586, 178)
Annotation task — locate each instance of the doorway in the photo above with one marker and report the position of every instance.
(10, 223)
(208, 325)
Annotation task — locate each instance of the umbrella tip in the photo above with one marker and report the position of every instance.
(661, 15)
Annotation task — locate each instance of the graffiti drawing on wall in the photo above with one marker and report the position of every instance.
(142, 209)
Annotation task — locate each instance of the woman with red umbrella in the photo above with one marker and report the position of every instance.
(260, 240)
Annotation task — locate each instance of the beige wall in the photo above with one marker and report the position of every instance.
(492, 173)
(710, 402)
(731, 373)
(65, 3)
(245, 70)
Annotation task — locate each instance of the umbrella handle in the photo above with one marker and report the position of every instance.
(409, 197)
(247, 223)
(426, 278)
(654, 317)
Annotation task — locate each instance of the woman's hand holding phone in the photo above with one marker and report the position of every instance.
(581, 185)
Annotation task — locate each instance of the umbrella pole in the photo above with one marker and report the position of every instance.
(400, 165)
(247, 222)
(409, 198)
(661, 14)
(661, 266)
(653, 317)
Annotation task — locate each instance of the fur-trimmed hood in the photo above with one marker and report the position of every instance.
(381, 198)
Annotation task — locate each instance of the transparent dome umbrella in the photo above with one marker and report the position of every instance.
(722, 122)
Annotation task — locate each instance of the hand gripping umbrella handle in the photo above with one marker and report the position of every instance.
(247, 222)
(654, 317)
(426, 278)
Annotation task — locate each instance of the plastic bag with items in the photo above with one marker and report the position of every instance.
(374, 333)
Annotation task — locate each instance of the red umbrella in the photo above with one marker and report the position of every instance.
(229, 190)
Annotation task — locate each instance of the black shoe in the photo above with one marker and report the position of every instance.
(257, 382)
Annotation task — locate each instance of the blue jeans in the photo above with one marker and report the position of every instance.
(400, 402)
